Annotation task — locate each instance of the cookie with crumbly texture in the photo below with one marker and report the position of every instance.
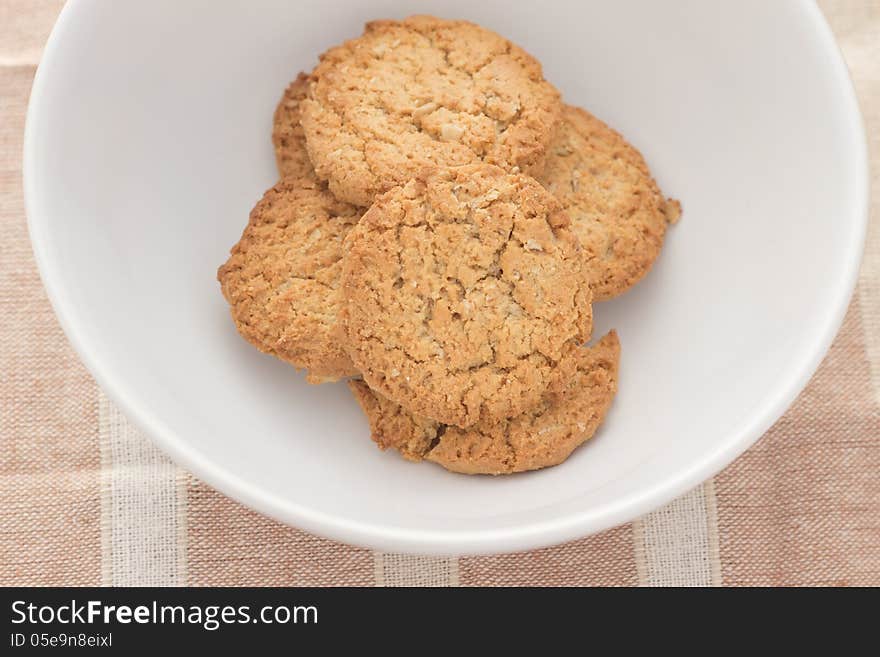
(424, 92)
(544, 436)
(282, 279)
(288, 138)
(465, 294)
(616, 208)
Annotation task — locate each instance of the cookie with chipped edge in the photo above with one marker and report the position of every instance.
(615, 206)
(465, 294)
(424, 92)
(282, 278)
(542, 437)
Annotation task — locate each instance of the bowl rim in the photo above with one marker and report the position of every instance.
(455, 542)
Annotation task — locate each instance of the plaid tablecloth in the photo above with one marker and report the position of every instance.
(86, 500)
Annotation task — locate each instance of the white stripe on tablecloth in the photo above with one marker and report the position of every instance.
(868, 288)
(414, 570)
(869, 305)
(677, 545)
(143, 507)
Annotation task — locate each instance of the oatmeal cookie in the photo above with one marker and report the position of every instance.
(288, 138)
(465, 294)
(282, 278)
(539, 438)
(616, 208)
(424, 91)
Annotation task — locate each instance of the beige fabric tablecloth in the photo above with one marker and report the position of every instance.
(86, 500)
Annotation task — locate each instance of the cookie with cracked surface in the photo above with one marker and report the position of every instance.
(282, 278)
(421, 92)
(465, 294)
(616, 208)
(539, 438)
(291, 156)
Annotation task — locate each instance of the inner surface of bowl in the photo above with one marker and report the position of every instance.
(148, 143)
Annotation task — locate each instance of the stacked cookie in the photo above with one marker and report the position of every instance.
(441, 227)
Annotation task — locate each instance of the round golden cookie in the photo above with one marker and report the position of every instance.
(539, 438)
(291, 155)
(420, 92)
(616, 208)
(465, 294)
(282, 278)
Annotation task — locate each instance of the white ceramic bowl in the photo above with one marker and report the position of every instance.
(148, 142)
